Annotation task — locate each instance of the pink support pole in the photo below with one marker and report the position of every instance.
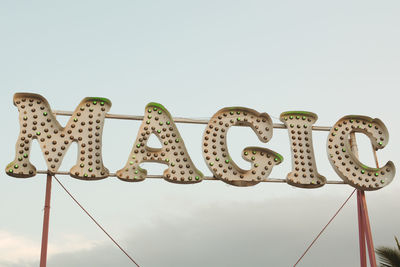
(364, 227)
(368, 233)
(361, 231)
(46, 217)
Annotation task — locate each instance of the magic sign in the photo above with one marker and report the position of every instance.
(37, 121)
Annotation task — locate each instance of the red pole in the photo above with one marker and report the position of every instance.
(368, 234)
(46, 217)
(361, 231)
(364, 227)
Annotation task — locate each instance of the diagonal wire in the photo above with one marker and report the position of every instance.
(112, 239)
(90, 216)
(323, 229)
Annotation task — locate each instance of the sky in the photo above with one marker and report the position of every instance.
(195, 57)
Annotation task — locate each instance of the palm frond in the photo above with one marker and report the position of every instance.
(388, 257)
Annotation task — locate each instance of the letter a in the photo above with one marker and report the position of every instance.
(173, 153)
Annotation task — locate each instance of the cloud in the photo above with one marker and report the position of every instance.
(228, 235)
(17, 250)
(269, 232)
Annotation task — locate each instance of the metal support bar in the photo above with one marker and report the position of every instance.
(46, 217)
(207, 178)
(179, 120)
(364, 227)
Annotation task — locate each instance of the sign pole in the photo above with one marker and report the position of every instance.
(361, 232)
(46, 217)
(364, 227)
(368, 233)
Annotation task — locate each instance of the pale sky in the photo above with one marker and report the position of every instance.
(195, 57)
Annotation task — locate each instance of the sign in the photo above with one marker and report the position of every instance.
(37, 121)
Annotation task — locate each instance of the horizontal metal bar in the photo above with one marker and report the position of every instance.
(179, 120)
(208, 178)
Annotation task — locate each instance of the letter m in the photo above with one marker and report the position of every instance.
(85, 126)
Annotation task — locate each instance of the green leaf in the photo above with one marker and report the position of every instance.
(388, 257)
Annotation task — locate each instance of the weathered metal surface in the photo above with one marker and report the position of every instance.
(158, 121)
(346, 163)
(304, 168)
(85, 127)
(215, 148)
